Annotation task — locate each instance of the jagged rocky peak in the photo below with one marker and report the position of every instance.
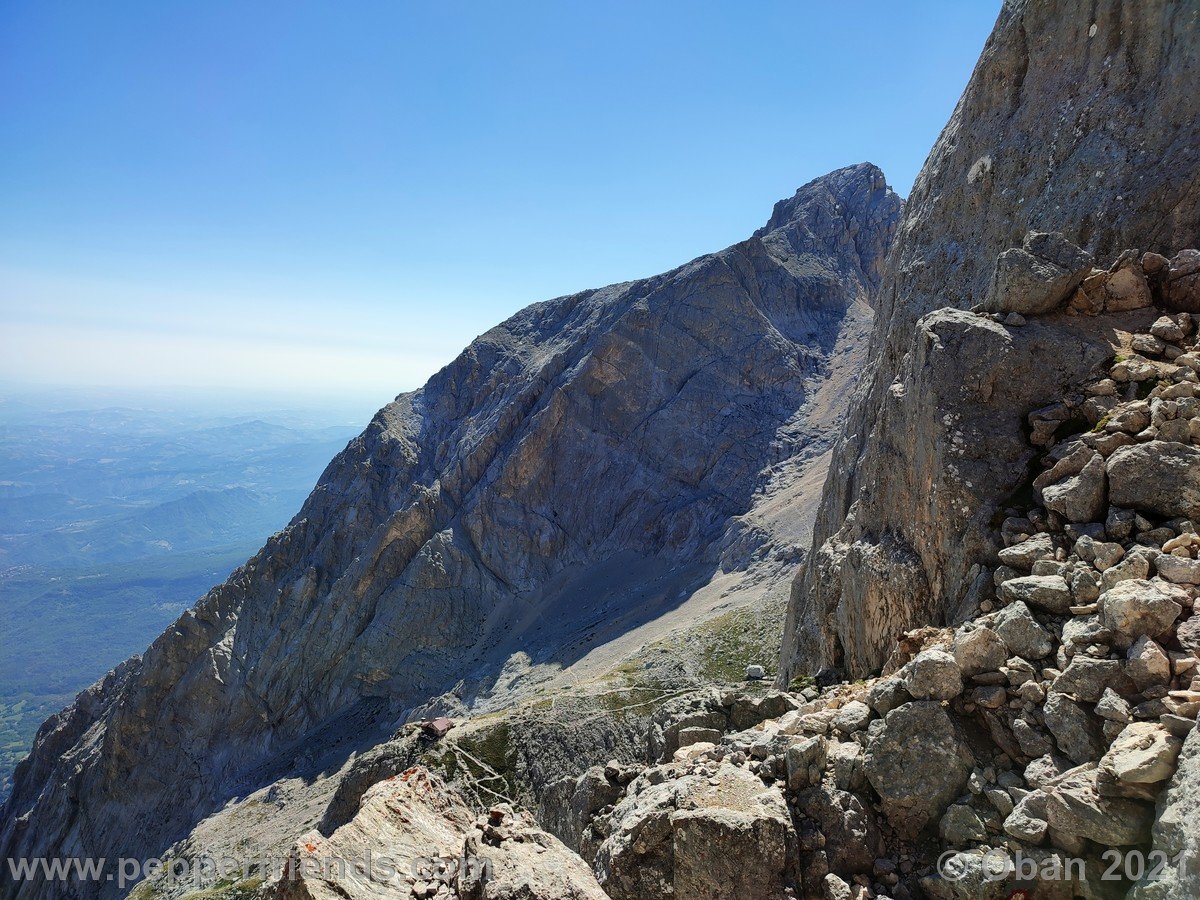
(577, 472)
(1079, 120)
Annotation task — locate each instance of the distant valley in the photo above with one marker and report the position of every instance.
(116, 518)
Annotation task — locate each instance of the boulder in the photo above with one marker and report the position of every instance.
(1125, 287)
(1048, 592)
(690, 837)
(1161, 478)
(1023, 555)
(1027, 821)
(854, 716)
(1175, 831)
(1144, 753)
(978, 650)
(1188, 634)
(1165, 328)
(917, 764)
(1112, 707)
(852, 837)
(415, 816)
(1075, 807)
(1022, 633)
(1075, 730)
(1135, 608)
(749, 711)
(1147, 664)
(933, 675)
(1133, 566)
(886, 694)
(1182, 289)
(845, 764)
(1082, 495)
(961, 825)
(721, 852)
(1178, 569)
(966, 875)
(1087, 678)
(806, 761)
(1038, 277)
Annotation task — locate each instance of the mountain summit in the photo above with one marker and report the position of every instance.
(578, 472)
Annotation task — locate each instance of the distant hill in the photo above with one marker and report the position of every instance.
(114, 519)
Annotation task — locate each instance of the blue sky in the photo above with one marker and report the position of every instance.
(336, 198)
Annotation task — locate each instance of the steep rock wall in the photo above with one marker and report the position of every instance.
(1079, 118)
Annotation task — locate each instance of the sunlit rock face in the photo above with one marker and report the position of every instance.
(574, 472)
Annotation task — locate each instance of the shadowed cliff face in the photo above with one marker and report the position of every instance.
(1083, 119)
(521, 501)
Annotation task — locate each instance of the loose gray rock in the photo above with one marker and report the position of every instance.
(1178, 569)
(1075, 807)
(1022, 633)
(979, 649)
(933, 675)
(1147, 664)
(1048, 592)
(961, 825)
(1082, 495)
(1075, 730)
(1038, 277)
(1135, 608)
(1144, 753)
(917, 764)
(886, 694)
(1087, 678)
(1160, 478)
(1027, 822)
(1023, 555)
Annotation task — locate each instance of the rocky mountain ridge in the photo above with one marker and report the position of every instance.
(577, 474)
(1056, 724)
(1080, 121)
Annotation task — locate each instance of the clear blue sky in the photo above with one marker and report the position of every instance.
(320, 196)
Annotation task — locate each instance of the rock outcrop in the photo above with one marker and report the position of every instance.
(578, 471)
(1080, 120)
(1058, 722)
(413, 837)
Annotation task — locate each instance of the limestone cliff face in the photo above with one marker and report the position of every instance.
(521, 501)
(1079, 118)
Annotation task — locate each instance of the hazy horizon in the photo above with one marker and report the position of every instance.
(284, 198)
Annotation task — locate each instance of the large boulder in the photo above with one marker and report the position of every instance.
(1161, 478)
(708, 838)
(978, 650)
(1048, 592)
(1075, 487)
(1037, 277)
(1144, 753)
(411, 821)
(1021, 632)
(1075, 807)
(1075, 729)
(852, 838)
(933, 675)
(1175, 831)
(1135, 608)
(917, 763)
